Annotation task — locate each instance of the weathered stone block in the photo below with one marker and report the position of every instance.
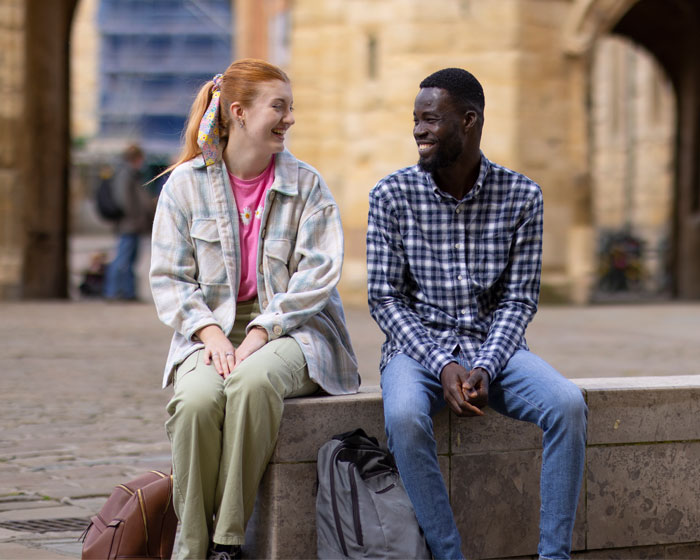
(284, 522)
(497, 486)
(493, 432)
(663, 413)
(643, 494)
(666, 552)
(637, 501)
(306, 424)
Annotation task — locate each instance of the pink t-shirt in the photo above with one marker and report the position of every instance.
(250, 201)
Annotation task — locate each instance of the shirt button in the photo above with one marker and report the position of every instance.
(459, 277)
(262, 233)
(464, 311)
(458, 245)
(458, 210)
(260, 269)
(277, 330)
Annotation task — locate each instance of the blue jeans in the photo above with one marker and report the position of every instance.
(119, 278)
(527, 389)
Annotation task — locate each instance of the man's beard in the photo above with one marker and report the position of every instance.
(445, 156)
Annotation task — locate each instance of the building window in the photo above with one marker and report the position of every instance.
(372, 56)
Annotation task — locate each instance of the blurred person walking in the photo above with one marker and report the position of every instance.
(137, 206)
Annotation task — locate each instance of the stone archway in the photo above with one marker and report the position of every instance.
(35, 147)
(34, 143)
(670, 31)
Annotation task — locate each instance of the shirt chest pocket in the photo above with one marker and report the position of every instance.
(492, 256)
(208, 252)
(276, 253)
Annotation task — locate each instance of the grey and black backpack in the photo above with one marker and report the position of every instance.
(362, 509)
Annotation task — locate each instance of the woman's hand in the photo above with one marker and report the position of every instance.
(254, 340)
(218, 349)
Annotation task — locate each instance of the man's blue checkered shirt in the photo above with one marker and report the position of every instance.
(446, 274)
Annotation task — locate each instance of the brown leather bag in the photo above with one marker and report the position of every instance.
(137, 521)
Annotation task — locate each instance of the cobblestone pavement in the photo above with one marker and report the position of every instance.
(81, 407)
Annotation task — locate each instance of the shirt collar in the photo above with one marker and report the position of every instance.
(286, 172)
(484, 167)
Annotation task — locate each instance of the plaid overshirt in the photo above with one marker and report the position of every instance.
(195, 272)
(446, 274)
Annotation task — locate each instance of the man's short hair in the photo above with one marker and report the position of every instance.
(464, 88)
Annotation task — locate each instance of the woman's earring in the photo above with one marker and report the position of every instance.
(241, 123)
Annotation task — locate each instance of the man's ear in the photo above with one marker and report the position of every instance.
(470, 120)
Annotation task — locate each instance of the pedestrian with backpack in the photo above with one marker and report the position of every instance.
(454, 253)
(131, 208)
(247, 250)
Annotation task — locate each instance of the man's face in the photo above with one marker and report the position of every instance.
(438, 129)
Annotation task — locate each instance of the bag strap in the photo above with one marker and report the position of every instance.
(356, 437)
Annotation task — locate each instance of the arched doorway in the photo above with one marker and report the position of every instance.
(670, 31)
(42, 156)
(632, 130)
(34, 167)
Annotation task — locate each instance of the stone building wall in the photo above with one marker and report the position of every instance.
(84, 56)
(12, 64)
(356, 67)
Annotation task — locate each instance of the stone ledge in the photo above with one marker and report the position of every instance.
(640, 484)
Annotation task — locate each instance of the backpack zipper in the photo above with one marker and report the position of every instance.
(353, 489)
(334, 502)
(355, 504)
(383, 490)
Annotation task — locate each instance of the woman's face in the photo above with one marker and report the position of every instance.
(269, 117)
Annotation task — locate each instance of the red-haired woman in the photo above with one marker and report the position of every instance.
(247, 249)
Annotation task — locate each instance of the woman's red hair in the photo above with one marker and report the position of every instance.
(239, 83)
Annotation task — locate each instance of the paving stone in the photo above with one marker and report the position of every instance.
(51, 510)
(29, 551)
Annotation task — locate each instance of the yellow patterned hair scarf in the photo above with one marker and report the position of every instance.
(208, 135)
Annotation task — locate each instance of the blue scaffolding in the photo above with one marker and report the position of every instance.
(154, 55)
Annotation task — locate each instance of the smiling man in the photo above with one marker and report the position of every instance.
(454, 251)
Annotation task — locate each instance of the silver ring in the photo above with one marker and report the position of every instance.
(229, 353)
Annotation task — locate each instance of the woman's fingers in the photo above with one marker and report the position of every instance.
(216, 358)
(222, 358)
(230, 361)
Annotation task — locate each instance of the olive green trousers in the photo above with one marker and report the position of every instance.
(223, 433)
